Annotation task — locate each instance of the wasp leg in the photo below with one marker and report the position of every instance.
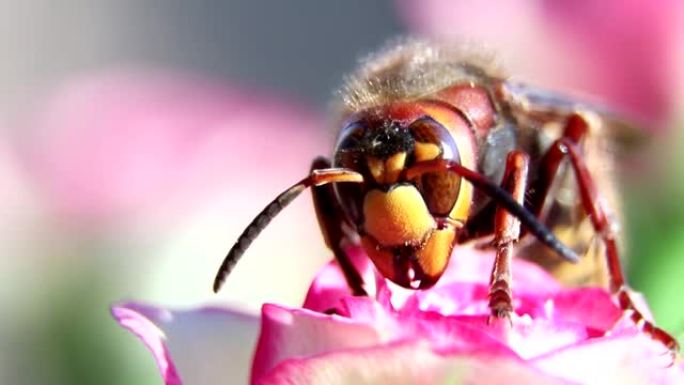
(506, 233)
(331, 221)
(317, 177)
(567, 147)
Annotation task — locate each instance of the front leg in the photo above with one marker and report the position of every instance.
(506, 233)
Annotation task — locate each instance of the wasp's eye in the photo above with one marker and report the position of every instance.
(349, 151)
(350, 138)
(349, 154)
(433, 141)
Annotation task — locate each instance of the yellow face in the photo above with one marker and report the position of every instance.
(403, 239)
(407, 227)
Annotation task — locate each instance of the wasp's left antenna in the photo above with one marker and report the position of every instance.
(316, 178)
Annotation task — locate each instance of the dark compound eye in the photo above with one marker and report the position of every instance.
(350, 138)
(349, 154)
(433, 141)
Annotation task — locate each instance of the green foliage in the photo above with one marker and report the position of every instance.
(654, 225)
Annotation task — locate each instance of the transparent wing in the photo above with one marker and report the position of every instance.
(549, 106)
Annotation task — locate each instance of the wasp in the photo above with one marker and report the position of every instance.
(438, 148)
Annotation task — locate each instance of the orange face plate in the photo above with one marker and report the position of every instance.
(401, 234)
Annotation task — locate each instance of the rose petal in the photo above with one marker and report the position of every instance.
(473, 266)
(153, 338)
(628, 358)
(287, 333)
(207, 346)
(404, 363)
(592, 307)
(462, 289)
(330, 286)
(526, 338)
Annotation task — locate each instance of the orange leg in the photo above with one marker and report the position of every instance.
(506, 233)
(567, 147)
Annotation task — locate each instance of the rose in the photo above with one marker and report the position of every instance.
(442, 335)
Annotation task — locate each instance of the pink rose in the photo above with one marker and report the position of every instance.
(556, 336)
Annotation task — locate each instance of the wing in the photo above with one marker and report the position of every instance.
(545, 106)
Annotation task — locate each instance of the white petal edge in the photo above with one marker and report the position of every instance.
(627, 358)
(202, 346)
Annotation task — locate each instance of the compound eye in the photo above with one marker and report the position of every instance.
(348, 151)
(433, 141)
(349, 154)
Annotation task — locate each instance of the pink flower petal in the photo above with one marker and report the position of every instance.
(289, 333)
(464, 287)
(451, 318)
(627, 358)
(577, 335)
(592, 307)
(404, 363)
(205, 346)
(152, 337)
(528, 336)
(330, 286)
(301, 333)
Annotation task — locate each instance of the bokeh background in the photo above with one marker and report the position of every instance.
(138, 138)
